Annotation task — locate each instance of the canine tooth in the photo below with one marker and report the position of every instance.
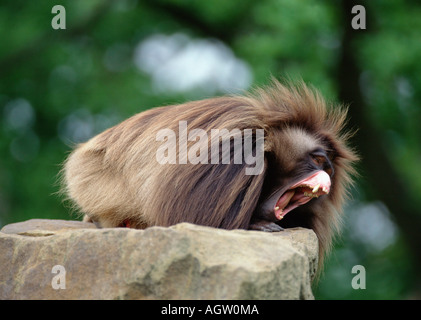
(316, 188)
(276, 208)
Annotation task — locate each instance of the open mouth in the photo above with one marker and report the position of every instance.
(314, 186)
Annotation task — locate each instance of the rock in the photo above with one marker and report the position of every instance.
(180, 262)
(39, 227)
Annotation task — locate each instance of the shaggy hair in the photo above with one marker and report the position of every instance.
(115, 177)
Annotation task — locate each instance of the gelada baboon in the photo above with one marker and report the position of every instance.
(118, 178)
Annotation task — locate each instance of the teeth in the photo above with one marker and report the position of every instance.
(311, 195)
(324, 189)
(279, 214)
(316, 188)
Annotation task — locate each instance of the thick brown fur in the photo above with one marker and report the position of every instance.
(115, 177)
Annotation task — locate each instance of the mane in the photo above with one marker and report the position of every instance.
(297, 105)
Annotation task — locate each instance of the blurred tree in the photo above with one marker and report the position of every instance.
(382, 178)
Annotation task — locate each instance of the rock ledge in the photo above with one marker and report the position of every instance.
(180, 262)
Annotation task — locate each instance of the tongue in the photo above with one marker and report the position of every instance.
(283, 202)
(317, 184)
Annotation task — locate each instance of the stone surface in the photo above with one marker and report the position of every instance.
(181, 262)
(38, 227)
